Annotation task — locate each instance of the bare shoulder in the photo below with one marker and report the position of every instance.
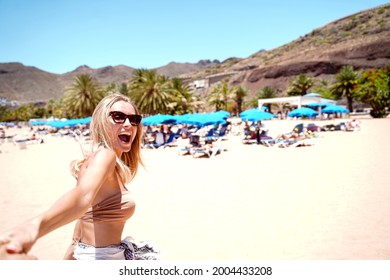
(102, 157)
(104, 152)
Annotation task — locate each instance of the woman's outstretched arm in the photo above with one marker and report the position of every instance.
(66, 209)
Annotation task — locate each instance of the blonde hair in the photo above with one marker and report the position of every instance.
(127, 165)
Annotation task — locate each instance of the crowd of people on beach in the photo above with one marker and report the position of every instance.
(257, 133)
(201, 140)
(188, 139)
(24, 134)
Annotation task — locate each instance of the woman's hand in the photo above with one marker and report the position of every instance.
(4, 255)
(21, 238)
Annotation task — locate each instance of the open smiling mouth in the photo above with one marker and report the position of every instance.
(124, 138)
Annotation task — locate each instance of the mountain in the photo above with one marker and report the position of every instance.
(361, 40)
(30, 84)
(175, 69)
(20, 83)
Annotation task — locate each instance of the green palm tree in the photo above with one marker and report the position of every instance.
(182, 101)
(239, 94)
(55, 108)
(346, 82)
(264, 93)
(151, 92)
(216, 98)
(300, 85)
(124, 89)
(51, 105)
(81, 98)
(221, 94)
(227, 92)
(23, 113)
(60, 111)
(4, 112)
(322, 87)
(110, 88)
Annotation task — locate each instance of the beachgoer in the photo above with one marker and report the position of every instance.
(246, 128)
(353, 125)
(291, 135)
(261, 131)
(34, 139)
(100, 202)
(2, 136)
(183, 144)
(148, 135)
(183, 141)
(206, 148)
(160, 138)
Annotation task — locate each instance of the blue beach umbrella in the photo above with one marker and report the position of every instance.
(206, 119)
(219, 115)
(255, 115)
(85, 120)
(335, 109)
(74, 122)
(249, 111)
(70, 122)
(303, 112)
(158, 119)
(57, 124)
(182, 119)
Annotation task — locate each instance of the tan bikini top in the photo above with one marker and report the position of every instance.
(116, 208)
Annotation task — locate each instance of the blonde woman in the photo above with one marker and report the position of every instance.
(100, 201)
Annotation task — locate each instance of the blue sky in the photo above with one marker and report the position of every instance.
(59, 35)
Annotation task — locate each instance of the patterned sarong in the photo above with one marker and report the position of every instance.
(129, 249)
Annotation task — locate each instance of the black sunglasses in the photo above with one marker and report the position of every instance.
(119, 117)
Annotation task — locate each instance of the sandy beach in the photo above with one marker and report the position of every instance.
(329, 201)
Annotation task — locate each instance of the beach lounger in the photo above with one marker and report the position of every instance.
(200, 151)
(292, 143)
(170, 141)
(281, 143)
(207, 150)
(304, 143)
